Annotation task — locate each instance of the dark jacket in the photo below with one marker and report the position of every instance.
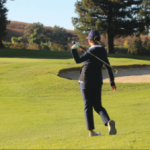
(91, 69)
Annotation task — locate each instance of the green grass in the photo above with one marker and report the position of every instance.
(46, 54)
(39, 110)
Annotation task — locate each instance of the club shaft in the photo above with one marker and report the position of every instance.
(96, 57)
(100, 60)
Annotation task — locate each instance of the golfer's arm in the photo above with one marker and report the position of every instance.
(110, 73)
(79, 59)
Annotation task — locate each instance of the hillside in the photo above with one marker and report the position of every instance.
(16, 29)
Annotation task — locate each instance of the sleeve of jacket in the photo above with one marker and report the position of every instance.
(79, 59)
(110, 72)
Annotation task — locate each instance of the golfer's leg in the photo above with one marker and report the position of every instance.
(96, 93)
(88, 110)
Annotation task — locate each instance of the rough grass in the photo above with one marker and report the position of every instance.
(39, 110)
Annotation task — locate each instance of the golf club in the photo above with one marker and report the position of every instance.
(114, 70)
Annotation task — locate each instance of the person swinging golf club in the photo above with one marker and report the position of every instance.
(90, 81)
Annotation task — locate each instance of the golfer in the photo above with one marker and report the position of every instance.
(91, 82)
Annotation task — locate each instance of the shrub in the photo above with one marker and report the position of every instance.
(34, 46)
(58, 47)
(115, 44)
(44, 46)
(148, 46)
(7, 44)
(145, 43)
(136, 47)
(17, 46)
(121, 50)
(125, 44)
(17, 40)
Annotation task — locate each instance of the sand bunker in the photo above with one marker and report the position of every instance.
(125, 75)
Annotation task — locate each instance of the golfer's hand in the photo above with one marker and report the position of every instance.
(114, 88)
(76, 46)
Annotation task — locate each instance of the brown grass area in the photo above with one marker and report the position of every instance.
(16, 29)
(17, 25)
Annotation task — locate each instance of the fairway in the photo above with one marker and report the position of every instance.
(40, 110)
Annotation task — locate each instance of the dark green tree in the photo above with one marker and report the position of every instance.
(136, 47)
(36, 33)
(35, 38)
(3, 21)
(145, 15)
(146, 45)
(145, 42)
(59, 36)
(112, 18)
(36, 30)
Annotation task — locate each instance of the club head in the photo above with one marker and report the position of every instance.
(115, 71)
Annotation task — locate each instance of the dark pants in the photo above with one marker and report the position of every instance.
(91, 94)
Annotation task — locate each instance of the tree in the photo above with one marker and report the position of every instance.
(126, 43)
(145, 42)
(136, 47)
(37, 34)
(35, 29)
(3, 21)
(34, 38)
(60, 37)
(145, 15)
(113, 18)
(146, 45)
(44, 46)
(17, 40)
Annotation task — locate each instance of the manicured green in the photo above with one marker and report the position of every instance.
(39, 110)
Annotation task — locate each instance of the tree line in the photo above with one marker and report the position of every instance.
(45, 39)
(38, 37)
(48, 38)
(137, 47)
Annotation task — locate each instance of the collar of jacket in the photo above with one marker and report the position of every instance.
(96, 46)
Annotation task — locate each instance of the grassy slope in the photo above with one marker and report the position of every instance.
(39, 110)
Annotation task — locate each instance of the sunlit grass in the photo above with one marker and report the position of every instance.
(39, 110)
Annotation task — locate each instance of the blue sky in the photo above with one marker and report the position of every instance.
(47, 12)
